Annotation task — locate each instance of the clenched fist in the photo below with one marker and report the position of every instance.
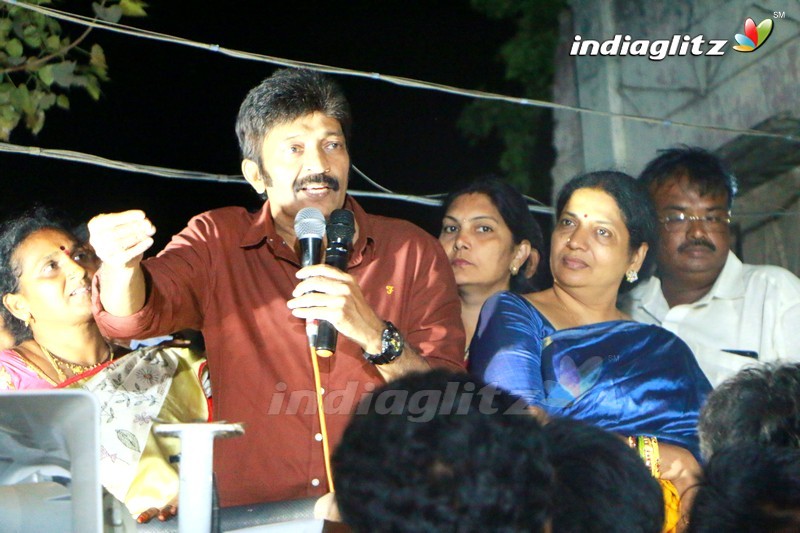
(120, 239)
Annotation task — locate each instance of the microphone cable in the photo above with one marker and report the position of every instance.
(323, 427)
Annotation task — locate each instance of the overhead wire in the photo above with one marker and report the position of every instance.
(397, 80)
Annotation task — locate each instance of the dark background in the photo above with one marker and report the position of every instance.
(174, 106)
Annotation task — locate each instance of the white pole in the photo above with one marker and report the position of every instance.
(195, 470)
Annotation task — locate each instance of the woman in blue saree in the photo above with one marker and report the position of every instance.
(568, 350)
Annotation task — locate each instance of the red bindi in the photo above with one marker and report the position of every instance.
(585, 215)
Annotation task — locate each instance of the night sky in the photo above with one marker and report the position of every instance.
(173, 106)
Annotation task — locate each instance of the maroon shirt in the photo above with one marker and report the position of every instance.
(229, 274)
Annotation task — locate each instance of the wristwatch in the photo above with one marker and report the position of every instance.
(392, 345)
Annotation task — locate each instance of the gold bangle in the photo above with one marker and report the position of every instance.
(648, 451)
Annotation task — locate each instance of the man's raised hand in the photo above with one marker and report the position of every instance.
(120, 239)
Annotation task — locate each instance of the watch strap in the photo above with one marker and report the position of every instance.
(392, 345)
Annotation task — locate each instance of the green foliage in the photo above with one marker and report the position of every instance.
(529, 58)
(40, 62)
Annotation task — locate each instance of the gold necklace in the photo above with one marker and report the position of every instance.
(59, 364)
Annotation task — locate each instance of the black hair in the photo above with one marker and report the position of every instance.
(287, 95)
(748, 489)
(475, 461)
(13, 231)
(634, 203)
(601, 484)
(515, 213)
(702, 168)
(758, 405)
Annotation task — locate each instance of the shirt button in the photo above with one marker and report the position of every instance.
(315, 482)
(318, 437)
(322, 390)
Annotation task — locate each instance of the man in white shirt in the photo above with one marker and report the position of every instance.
(730, 314)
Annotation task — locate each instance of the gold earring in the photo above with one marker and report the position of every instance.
(27, 321)
(631, 275)
(514, 270)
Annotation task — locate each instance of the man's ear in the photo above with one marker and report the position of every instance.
(253, 176)
(17, 306)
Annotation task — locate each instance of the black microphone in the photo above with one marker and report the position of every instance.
(341, 229)
(309, 226)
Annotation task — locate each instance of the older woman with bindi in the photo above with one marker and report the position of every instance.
(569, 351)
(45, 283)
(493, 244)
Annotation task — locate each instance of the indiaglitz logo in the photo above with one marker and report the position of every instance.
(677, 45)
(754, 36)
(624, 45)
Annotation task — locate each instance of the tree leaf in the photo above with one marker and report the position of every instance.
(46, 75)
(14, 48)
(109, 14)
(93, 87)
(98, 58)
(52, 43)
(133, 8)
(21, 99)
(62, 101)
(35, 122)
(9, 118)
(45, 100)
(64, 73)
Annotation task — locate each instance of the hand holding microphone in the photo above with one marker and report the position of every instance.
(327, 293)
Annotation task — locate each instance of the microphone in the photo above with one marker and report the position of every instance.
(309, 226)
(341, 229)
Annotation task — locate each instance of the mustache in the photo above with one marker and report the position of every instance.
(697, 242)
(317, 179)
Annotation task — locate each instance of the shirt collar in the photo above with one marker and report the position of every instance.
(729, 283)
(261, 229)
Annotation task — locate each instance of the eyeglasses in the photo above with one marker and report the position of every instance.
(710, 223)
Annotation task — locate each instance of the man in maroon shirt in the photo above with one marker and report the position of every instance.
(236, 276)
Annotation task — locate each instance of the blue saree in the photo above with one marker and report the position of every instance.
(623, 376)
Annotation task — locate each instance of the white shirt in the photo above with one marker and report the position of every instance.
(751, 314)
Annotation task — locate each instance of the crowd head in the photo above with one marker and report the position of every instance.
(601, 485)
(479, 461)
(17, 235)
(749, 489)
(293, 129)
(594, 200)
(473, 465)
(284, 97)
(693, 194)
(759, 405)
(491, 213)
(697, 167)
